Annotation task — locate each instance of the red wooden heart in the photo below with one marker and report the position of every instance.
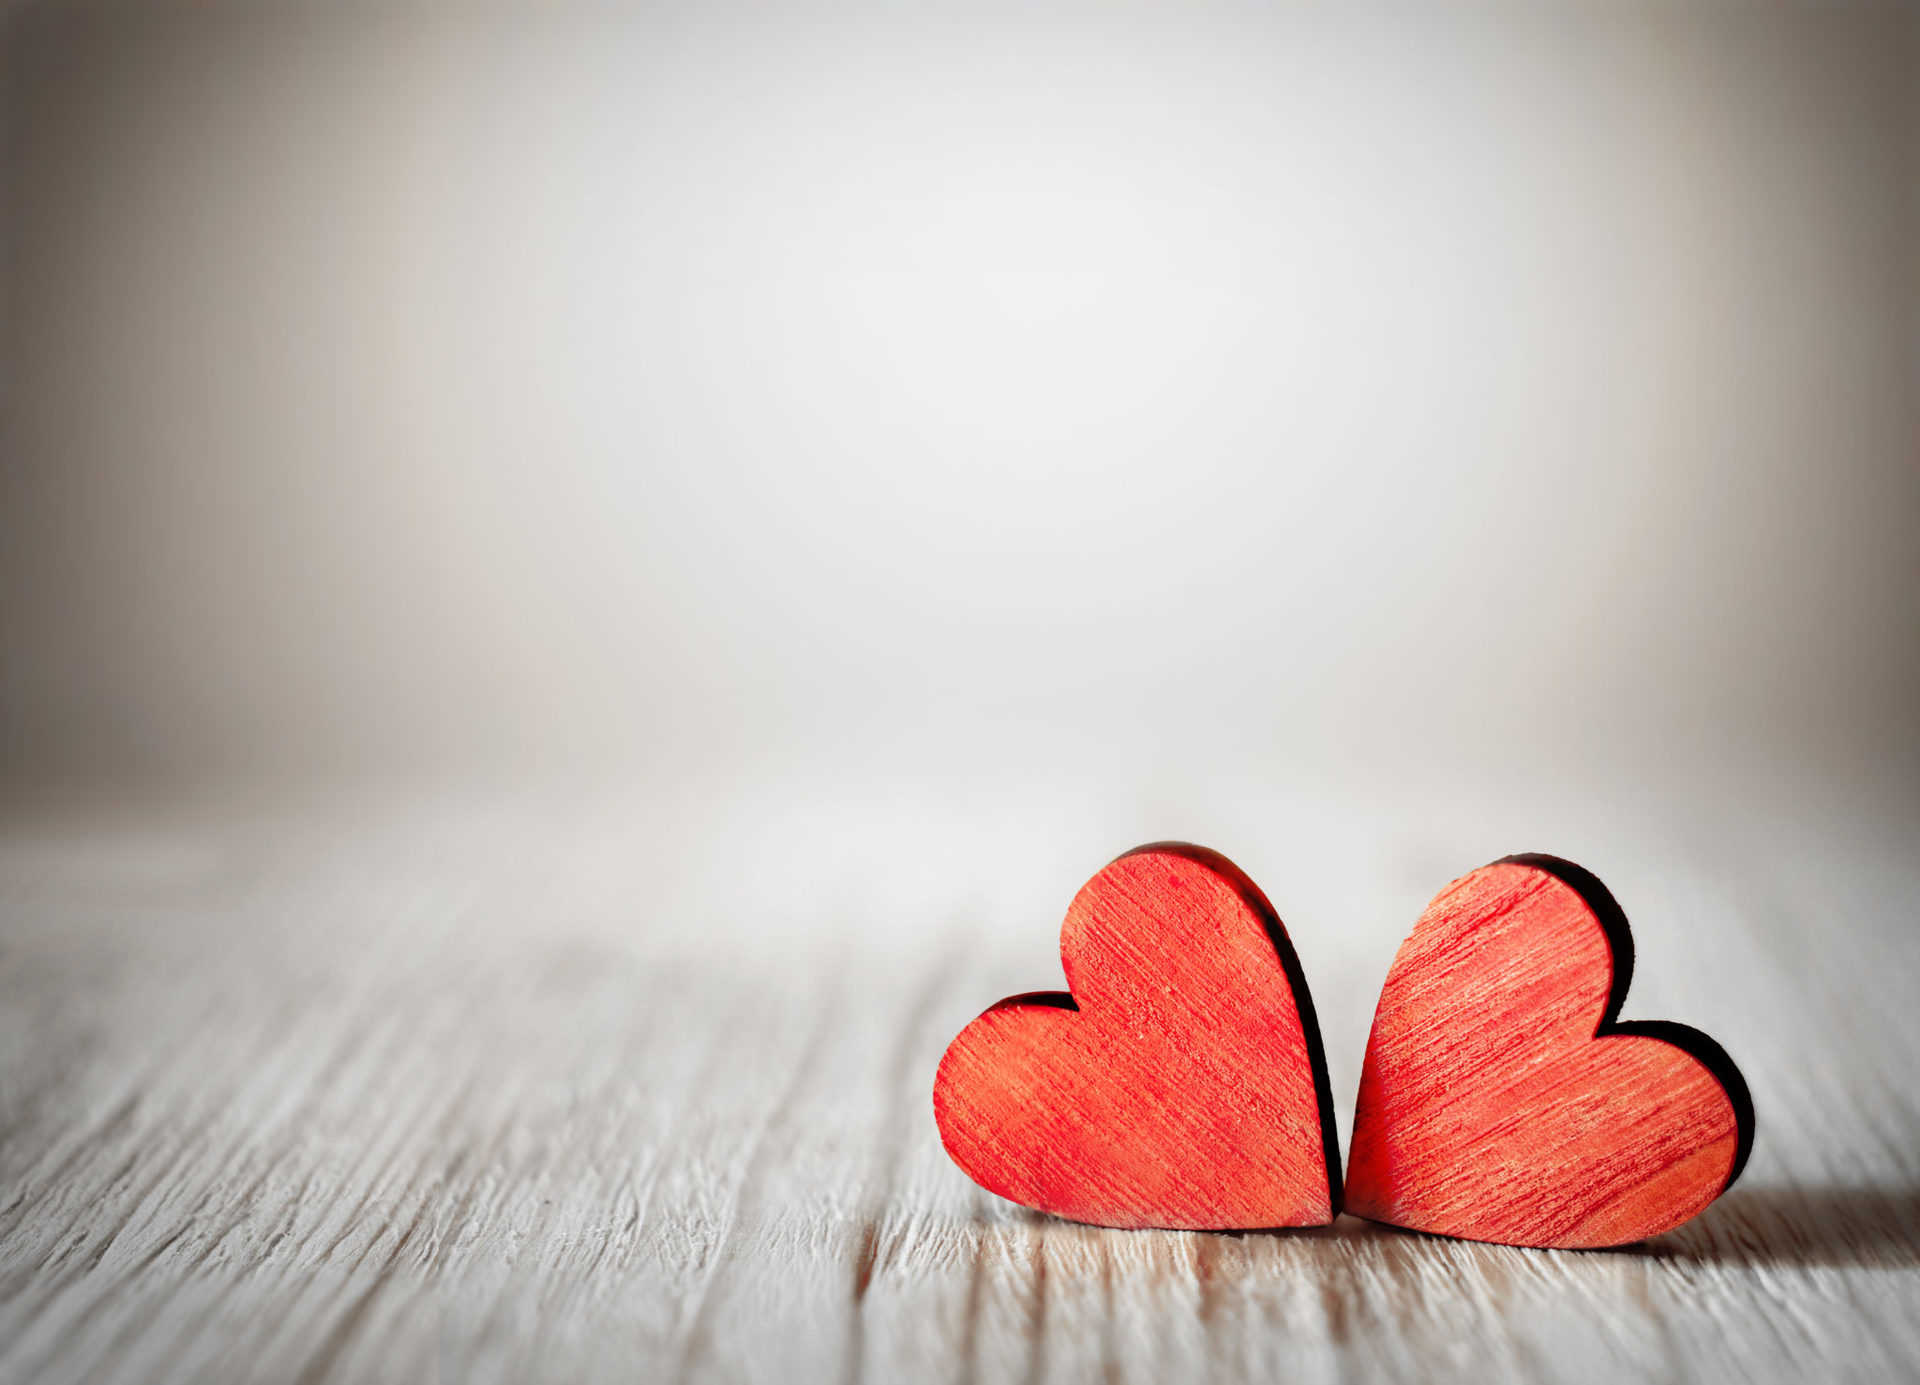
(1502, 1101)
(1181, 1084)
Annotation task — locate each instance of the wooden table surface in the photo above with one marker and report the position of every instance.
(636, 1087)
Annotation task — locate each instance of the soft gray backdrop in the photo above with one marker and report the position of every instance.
(488, 388)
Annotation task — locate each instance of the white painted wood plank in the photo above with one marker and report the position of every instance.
(505, 1095)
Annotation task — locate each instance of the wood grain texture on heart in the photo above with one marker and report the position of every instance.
(1502, 1100)
(1180, 1083)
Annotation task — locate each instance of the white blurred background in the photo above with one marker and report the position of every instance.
(1079, 422)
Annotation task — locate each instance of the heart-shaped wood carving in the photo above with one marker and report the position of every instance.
(1501, 1099)
(1180, 1084)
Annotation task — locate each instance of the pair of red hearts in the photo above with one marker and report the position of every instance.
(1181, 1083)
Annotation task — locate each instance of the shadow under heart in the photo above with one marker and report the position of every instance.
(1801, 1226)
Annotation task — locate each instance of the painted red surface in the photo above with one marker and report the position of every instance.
(1186, 1090)
(1501, 1102)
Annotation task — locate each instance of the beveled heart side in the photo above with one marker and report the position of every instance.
(1180, 1084)
(1502, 1101)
